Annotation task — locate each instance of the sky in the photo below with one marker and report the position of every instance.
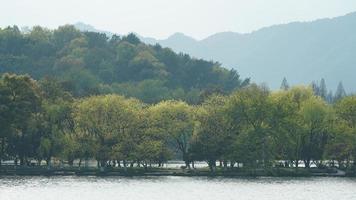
(161, 18)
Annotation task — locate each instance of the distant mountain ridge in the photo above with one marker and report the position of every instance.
(300, 51)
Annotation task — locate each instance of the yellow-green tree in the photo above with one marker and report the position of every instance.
(176, 119)
(212, 139)
(112, 121)
(248, 111)
(315, 120)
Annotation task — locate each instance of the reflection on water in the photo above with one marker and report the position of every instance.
(175, 188)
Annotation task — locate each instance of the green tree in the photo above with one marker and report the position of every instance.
(249, 111)
(284, 85)
(111, 120)
(23, 100)
(176, 119)
(212, 139)
(314, 113)
(340, 92)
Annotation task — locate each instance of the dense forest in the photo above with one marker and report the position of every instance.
(89, 63)
(125, 104)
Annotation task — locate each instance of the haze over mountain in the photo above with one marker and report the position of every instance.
(300, 51)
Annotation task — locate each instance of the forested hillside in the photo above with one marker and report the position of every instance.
(87, 63)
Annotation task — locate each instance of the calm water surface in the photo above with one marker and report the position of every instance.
(176, 188)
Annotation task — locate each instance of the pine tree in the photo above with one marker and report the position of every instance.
(284, 85)
(315, 88)
(323, 92)
(340, 92)
(330, 97)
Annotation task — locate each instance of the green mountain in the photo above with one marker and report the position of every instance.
(88, 63)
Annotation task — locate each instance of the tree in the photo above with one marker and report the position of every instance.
(55, 125)
(314, 113)
(23, 99)
(175, 118)
(340, 92)
(249, 111)
(212, 139)
(64, 34)
(287, 123)
(323, 92)
(341, 145)
(5, 117)
(346, 114)
(284, 85)
(346, 110)
(110, 120)
(131, 38)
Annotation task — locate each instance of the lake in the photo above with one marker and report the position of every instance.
(176, 188)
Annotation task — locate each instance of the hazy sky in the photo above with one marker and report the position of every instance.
(161, 18)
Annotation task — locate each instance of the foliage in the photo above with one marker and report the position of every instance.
(85, 61)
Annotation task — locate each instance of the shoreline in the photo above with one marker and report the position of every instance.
(140, 172)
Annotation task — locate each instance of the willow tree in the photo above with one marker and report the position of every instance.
(249, 110)
(346, 114)
(286, 123)
(315, 114)
(174, 118)
(21, 99)
(111, 120)
(212, 139)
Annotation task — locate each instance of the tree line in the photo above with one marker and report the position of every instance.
(252, 127)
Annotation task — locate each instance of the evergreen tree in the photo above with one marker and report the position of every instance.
(330, 97)
(315, 88)
(284, 85)
(340, 92)
(323, 92)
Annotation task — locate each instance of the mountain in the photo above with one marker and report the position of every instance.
(89, 28)
(300, 51)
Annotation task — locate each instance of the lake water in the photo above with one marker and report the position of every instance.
(176, 188)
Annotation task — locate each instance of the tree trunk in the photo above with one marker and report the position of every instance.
(48, 162)
(232, 163)
(70, 162)
(307, 163)
(2, 150)
(264, 152)
(103, 163)
(296, 164)
(144, 163)
(225, 164)
(125, 164)
(186, 160)
(22, 160)
(212, 165)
